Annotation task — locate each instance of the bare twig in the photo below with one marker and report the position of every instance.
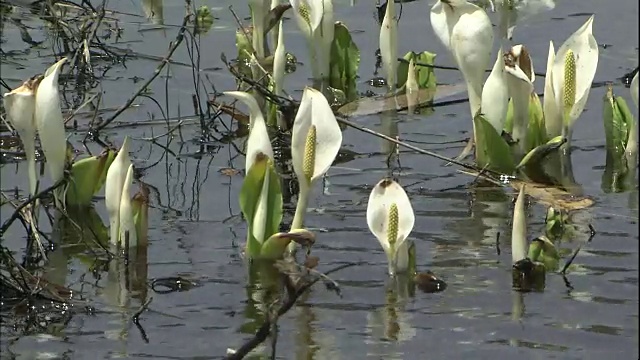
(293, 293)
(30, 200)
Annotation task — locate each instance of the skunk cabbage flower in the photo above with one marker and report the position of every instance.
(521, 76)
(258, 141)
(315, 141)
(315, 20)
(20, 105)
(519, 230)
(390, 218)
(574, 67)
(495, 95)
(50, 125)
(466, 30)
(113, 189)
(389, 45)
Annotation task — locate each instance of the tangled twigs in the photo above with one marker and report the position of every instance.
(294, 291)
(174, 45)
(31, 200)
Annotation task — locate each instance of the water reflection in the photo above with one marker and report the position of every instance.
(389, 126)
(264, 289)
(391, 323)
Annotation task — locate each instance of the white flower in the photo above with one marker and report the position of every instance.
(495, 95)
(389, 45)
(50, 125)
(20, 105)
(390, 218)
(466, 30)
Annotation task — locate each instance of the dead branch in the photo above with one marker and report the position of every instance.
(294, 291)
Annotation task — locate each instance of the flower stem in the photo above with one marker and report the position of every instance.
(301, 209)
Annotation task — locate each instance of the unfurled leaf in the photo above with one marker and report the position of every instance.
(88, 175)
(491, 148)
(535, 156)
(345, 60)
(619, 124)
(537, 133)
(425, 77)
(544, 251)
(261, 203)
(275, 246)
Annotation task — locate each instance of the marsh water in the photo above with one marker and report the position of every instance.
(196, 231)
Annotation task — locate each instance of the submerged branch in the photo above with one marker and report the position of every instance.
(294, 291)
(30, 200)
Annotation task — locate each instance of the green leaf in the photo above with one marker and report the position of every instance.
(204, 20)
(425, 76)
(87, 178)
(250, 195)
(491, 148)
(618, 121)
(276, 245)
(544, 252)
(535, 156)
(537, 133)
(344, 63)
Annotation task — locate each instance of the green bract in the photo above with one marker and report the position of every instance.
(619, 125)
(261, 203)
(345, 59)
(491, 149)
(87, 178)
(425, 77)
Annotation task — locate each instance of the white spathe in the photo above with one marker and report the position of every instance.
(519, 229)
(552, 113)
(315, 20)
(113, 189)
(258, 141)
(314, 110)
(389, 45)
(20, 106)
(386, 193)
(585, 49)
(466, 30)
(495, 95)
(520, 78)
(127, 225)
(50, 125)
